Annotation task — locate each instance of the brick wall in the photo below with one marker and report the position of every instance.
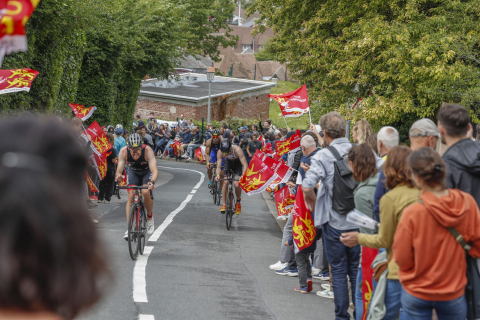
(248, 107)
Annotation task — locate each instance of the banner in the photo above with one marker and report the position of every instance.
(281, 170)
(262, 140)
(100, 146)
(199, 154)
(304, 230)
(268, 149)
(291, 144)
(82, 112)
(368, 255)
(294, 103)
(284, 201)
(257, 177)
(91, 185)
(14, 16)
(16, 80)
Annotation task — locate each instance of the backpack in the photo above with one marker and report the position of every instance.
(343, 185)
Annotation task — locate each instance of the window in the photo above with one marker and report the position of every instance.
(260, 47)
(247, 46)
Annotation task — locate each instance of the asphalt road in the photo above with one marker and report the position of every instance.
(197, 269)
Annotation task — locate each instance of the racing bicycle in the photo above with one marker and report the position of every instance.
(137, 222)
(231, 199)
(215, 189)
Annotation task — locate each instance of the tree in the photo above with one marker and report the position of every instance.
(402, 57)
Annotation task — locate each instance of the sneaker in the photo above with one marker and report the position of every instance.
(284, 272)
(293, 273)
(125, 236)
(302, 289)
(309, 284)
(279, 265)
(315, 270)
(322, 276)
(238, 208)
(94, 221)
(107, 201)
(325, 286)
(326, 294)
(100, 201)
(223, 209)
(150, 226)
(282, 218)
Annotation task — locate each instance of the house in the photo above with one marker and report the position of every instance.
(245, 39)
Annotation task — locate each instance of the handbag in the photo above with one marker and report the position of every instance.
(380, 268)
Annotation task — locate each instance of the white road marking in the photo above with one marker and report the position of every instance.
(139, 282)
(146, 317)
(193, 191)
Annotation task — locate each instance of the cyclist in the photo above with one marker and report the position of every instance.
(234, 160)
(211, 148)
(142, 171)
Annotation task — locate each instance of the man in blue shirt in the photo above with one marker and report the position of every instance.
(119, 140)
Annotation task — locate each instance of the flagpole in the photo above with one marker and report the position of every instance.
(285, 122)
(309, 115)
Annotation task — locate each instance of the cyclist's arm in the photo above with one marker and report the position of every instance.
(219, 162)
(207, 151)
(152, 163)
(121, 162)
(241, 156)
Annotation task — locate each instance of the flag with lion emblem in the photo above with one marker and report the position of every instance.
(304, 231)
(257, 177)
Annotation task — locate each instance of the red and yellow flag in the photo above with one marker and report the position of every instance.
(82, 112)
(100, 146)
(368, 255)
(199, 154)
(16, 80)
(268, 149)
(304, 230)
(257, 177)
(284, 201)
(177, 147)
(281, 170)
(291, 144)
(294, 103)
(91, 185)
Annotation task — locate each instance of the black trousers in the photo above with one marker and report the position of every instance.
(105, 189)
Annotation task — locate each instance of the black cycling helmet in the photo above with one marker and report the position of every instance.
(110, 129)
(134, 141)
(215, 132)
(226, 146)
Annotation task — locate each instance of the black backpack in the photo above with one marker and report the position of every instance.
(343, 185)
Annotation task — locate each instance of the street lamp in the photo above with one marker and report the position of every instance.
(210, 77)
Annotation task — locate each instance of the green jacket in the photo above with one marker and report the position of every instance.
(363, 197)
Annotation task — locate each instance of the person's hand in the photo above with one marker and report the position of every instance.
(291, 184)
(119, 177)
(304, 166)
(350, 239)
(151, 186)
(310, 198)
(217, 178)
(313, 128)
(286, 243)
(89, 137)
(250, 155)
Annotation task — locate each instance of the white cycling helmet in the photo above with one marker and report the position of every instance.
(135, 141)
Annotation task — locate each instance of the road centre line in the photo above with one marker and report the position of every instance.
(139, 272)
(146, 317)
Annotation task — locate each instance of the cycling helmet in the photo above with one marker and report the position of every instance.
(226, 146)
(110, 129)
(215, 132)
(119, 126)
(134, 141)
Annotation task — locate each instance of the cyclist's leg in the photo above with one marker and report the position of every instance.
(146, 194)
(132, 180)
(225, 184)
(213, 160)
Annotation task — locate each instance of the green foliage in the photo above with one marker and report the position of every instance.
(263, 55)
(401, 57)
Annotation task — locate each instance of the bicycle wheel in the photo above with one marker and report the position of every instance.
(133, 232)
(214, 191)
(142, 233)
(219, 195)
(229, 213)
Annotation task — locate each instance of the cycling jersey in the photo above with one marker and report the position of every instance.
(214, 147)
(139, 173)
(140, 164)
(233, 163)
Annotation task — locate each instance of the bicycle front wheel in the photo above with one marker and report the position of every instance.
(219, 195)
(229, 213)
(142, 232)
(214, 192)
(133, 224)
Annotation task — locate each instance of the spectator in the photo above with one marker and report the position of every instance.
(402, 194)
(235, 139)
(361, 131)
(146, 137)
(152, 129)
(139, 121)
(105, 130)
(363, 165)
(191, 125)
(242, 130)
(422, 240)
(254, 128)
(388, 138)
(197, 142)
(222, 131)
(343, 261)
(244, 144)
(253, 146)
(182, 123)
(461, 158)
(372, 142)
(107, 184)
(119, 141)
(267, 126)
(423, 133)
(160, 143)
(48, 269)
(186, 139)
(126, 133)
(110, 129)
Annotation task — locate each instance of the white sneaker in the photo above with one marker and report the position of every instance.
(184, 156)
(94, 221)
(282, 218)
(279, 265)
(325, 286)
(315, 270)
(189, 159)
(325, 294)
(107, 202)
(150, 226)
(125, 236)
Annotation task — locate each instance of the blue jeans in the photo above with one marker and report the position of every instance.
(160, 145)
(343, 262)
(393, 302)
(419, 309)
(358, 295)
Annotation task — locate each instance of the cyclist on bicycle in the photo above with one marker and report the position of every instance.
(234, 160)
(211, 149)
(142, 171)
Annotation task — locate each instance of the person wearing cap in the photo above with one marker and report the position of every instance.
(423, 133)
(119, 140)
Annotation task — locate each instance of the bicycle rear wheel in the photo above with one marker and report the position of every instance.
(133, 225)
(219, 195)
(214, 192)
(229, 213)
(142, 233)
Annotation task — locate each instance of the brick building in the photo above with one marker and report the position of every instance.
(188, 95)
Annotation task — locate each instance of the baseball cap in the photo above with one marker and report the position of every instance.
(424, 128)
(119, 131)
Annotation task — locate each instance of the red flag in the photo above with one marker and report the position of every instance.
(257, 177)
(284, 201)
(268, 149)
(294, 103)
(166, 152)
(304, 230)
(277, 157)
(199, 154)
(368, 255)
(177, 147)
(12, 24)
(291, 144)
(281, 170)
(16, 80)
(262, 140)
(91, 185)
(82, 112)
(100, 146)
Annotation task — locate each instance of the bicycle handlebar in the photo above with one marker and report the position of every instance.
(133, 187)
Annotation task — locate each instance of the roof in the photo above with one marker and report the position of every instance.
(195, 62)
(245, 37)
(194, 87)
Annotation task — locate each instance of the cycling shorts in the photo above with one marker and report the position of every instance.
(213, 157)
(138, 177)
(235, 166)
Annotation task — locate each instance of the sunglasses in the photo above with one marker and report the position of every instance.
(135, 149)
